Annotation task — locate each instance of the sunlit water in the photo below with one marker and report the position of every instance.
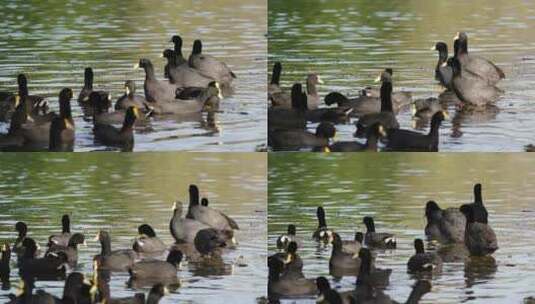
(349, 42)
(53, 41)
(119, 192)
(394, 189)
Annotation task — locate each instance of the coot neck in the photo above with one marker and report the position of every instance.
(442, 56)
(386, 97)
(275, 78)
(321, 220)
(178, 51)
(370, 226)
(65, 112)
(149, 72)
(23, 89)
(311, 88)
(435, 127)
(478, 197)
(106, 247)
(88, 81)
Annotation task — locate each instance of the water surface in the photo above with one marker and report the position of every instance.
(393, 189)
(53, 41)
(118, 192)
(349, 42)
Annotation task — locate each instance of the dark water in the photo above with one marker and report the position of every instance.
(393, 189)
(349, 42)
(53, 41)
(119, 192)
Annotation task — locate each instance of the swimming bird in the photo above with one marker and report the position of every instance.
(71, 250)
(290, 236)
(479, 211)
(377, 239)
(342, 263)
(62, 129)
(87, 89)
(63, 238)
(479, 237)
(476, 64)
(147, 241)
(444, 225)
(322, 233)
(209, 66)
(130, 98)
(207, 215)
(155, 271)
(117, 260)
(281, 286)
(386, 116)
(423, 261)
(408, 140)
(184, 230)
(443, 72)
